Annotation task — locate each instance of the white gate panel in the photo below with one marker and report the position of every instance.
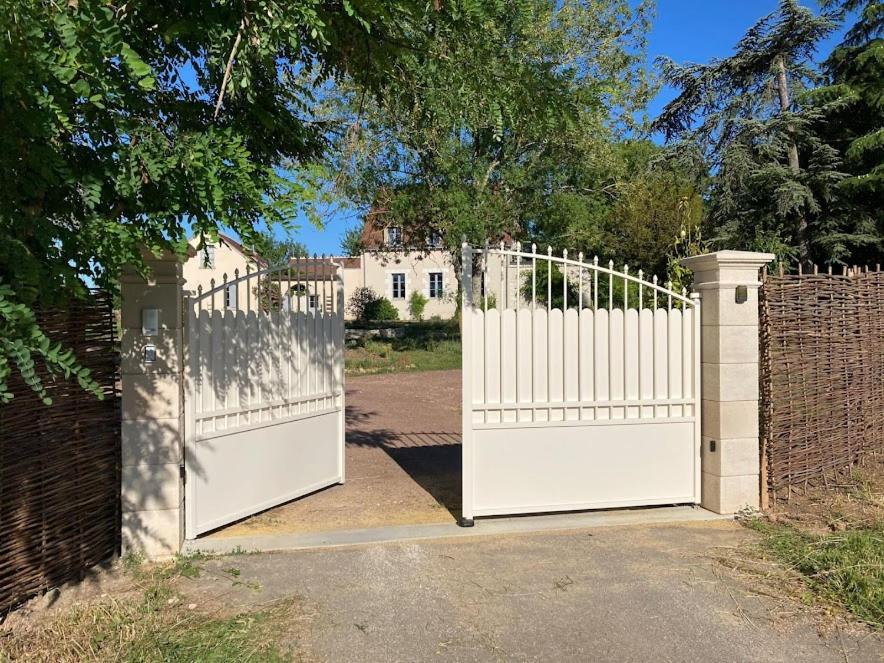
(265, 395)
(573, 405)
(233, 475)
(531, 469)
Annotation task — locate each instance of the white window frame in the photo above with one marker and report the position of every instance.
(440, 293)
(312, 302)
(207, 257)
(393, 285)
(231, 294)
(394, 236)
(434, 239)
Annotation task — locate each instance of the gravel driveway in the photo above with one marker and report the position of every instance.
(402, 460)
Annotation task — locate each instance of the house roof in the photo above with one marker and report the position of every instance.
(310, 269)
(349, 262)
(236, 246)
(372, 236)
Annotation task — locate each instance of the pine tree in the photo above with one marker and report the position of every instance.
(855, 127)
(774, 176)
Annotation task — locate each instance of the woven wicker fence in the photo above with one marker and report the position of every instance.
(60, 464)
(822, 374)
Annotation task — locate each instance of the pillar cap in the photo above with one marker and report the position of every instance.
(745, 259)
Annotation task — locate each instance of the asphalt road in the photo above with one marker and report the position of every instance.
(641, 593)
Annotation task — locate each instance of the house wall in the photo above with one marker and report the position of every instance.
(352, 280)
(227, 261)
(377, 272)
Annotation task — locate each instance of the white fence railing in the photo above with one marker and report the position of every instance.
(263, 346)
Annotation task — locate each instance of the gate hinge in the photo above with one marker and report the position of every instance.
(182, 473)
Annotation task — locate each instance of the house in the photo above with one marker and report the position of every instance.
(217, 262)
(390, 264)
(221, 262)
(395, 266)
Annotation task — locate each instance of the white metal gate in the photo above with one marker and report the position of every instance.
(264, 405)
(581, 386)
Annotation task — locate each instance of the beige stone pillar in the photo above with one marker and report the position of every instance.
(152, 426)
(728, 283)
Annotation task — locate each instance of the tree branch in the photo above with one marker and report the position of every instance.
(229, 68)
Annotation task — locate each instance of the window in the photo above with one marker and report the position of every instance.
(208, 258)
(398, 286)
(435, 239)
(312, 301)
(436, 285)
(394, 235)
(230, 297)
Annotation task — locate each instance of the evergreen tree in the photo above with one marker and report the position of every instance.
(855, 127)
(774, 176)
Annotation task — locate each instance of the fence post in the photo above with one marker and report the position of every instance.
(152, 346)
(728, 282)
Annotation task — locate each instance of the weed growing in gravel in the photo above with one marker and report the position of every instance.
(846, 568)
(153, 622)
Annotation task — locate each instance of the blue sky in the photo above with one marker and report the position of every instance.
(685, 30)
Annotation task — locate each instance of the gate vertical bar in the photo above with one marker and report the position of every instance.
(696, 394)
(466, 315)
(339, 369)
(190, 359)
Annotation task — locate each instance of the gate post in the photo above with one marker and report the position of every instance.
(152, 407)
(728, 283)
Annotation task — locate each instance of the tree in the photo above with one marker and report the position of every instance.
(351, 243)
(854, 125)
(518, 144)
(124, 123)
(279, 251)
(774, 174)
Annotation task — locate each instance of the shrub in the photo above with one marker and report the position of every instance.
(416, 305)
(381, 309)
(362, 302)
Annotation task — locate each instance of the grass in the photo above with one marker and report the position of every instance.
(422, 347)
(152, 622)
(845, 568)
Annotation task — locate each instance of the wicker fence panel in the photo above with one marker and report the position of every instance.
(60, 464)
(822, 373)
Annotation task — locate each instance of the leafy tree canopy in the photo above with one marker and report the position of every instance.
(434, 153)
(278, 251)
(746, 114)
(854, 125)
(794, 150)
(123, 123)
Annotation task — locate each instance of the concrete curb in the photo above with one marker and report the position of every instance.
(484, 527)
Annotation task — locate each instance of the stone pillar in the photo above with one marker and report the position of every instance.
(153, 422)
(728, 283)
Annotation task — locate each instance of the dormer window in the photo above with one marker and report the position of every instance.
(394, 235)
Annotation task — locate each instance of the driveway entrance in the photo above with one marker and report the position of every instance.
(403, 460)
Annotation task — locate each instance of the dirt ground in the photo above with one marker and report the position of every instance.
(403, 463)
(848, 499)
